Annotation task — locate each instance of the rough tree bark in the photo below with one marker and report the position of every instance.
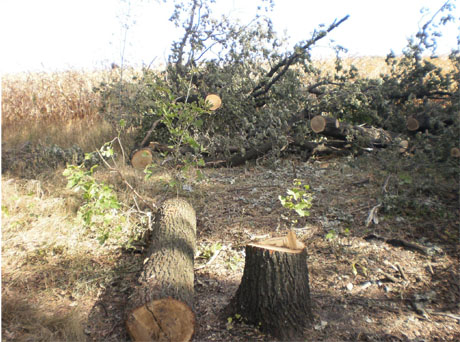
(274, 293)
(160, 307)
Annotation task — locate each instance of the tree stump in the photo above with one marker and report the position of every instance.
(274, 293)
(160, 308)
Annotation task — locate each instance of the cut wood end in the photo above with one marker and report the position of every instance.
(214, 101)
(142, 158)
(412, 124)
(318, 123)
(403, 146)
(161, 320)
(455, 152)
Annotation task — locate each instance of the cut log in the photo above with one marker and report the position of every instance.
(161, 320)
(419, 122)
(455, 152)
(161, 306)
(321, 123)
(141, 158)
(274, 293)
(214, 101)
(367, 136)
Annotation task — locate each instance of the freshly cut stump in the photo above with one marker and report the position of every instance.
(161, 306)
(141, 158)
(274, 293)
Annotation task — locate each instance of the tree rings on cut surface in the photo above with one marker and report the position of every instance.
(214, 101)
(455, 152)
(412, 124)
(141, 158)
(321, 123)
(165, 319)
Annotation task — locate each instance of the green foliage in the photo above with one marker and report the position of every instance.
(207, 251)
(298, 199)
(100, 201)
(331, 235)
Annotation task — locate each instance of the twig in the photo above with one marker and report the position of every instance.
(372, 217)
(403, 275)
(214, 257)
(385, 184)
(389, 277)
(149, 133)
(447, 314)
(152, 206)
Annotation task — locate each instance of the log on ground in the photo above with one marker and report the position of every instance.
(365, 136)
(161, 306)
(321, 123)
(141, 158)
(417, 123)
(274, 293)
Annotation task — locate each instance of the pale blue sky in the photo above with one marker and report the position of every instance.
(60, 34)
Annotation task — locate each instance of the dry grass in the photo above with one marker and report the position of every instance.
(373, 67)
(53, 269)
(50, 96)
(48, 271)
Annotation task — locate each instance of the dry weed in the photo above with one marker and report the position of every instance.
(51, 271)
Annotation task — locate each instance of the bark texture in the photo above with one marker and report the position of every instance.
(274, 293)
(167, 274)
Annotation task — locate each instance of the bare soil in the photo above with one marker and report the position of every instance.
(362, 290)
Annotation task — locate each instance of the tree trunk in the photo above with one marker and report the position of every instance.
(274, 293)
(161, 306)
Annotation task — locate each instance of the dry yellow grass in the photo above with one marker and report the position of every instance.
(50, 96)
(48, 271)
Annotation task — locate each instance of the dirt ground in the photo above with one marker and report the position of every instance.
(363, 288)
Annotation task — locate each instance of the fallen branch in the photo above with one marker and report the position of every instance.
(399, 243)
(278, 70)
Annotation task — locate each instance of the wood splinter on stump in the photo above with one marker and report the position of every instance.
(161, 306)
(274, 293)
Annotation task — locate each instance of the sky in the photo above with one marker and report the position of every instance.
(53, 35)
